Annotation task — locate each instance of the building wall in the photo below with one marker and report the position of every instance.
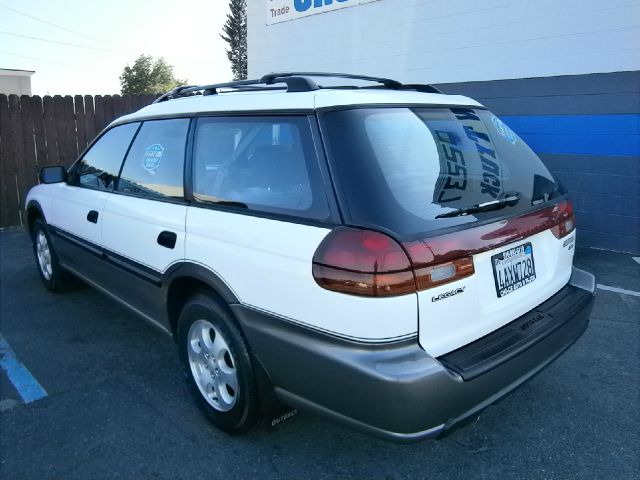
(449, 41)
(586, 129)
(15, 85)
(564, 74)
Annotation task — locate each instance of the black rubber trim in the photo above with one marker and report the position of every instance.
(140, 271)
(77, 241)
(503, 344)
(135, 268)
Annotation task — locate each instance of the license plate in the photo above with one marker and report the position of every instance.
(513, 269)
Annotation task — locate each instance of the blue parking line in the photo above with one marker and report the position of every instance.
(26, 385)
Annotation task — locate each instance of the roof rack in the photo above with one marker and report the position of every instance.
(294, 82)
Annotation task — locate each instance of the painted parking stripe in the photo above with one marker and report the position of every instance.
(619, 290)
(26, 385)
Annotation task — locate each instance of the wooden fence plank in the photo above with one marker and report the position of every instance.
(99, 113)
(81, 125)
(138, 102)
(90, 118)
(16, 153)
(61, 129)
(37, 115)
(50, 131)
(118, 106)
(108, 109)
(8, 194)
(27, 164)
(128, 106)
(71, 132)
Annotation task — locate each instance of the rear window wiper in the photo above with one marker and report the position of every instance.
(510, 199)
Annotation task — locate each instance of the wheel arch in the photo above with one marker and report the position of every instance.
(187, 278)
(34, 211)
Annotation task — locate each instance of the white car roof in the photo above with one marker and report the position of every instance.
(274, 101)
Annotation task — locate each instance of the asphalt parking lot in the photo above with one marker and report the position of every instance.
(117, 406)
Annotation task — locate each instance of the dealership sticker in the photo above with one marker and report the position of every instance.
(504, 130)
(152, 157)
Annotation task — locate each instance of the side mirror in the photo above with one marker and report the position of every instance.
(53, 174)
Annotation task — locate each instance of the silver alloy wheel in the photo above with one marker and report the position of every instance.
(44, 255)
(212, 365)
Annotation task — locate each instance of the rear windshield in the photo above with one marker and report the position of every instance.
(400, 168)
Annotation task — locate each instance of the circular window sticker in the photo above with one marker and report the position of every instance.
(504, 130)
(152, 157)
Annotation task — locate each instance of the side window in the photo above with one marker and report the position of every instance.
(155, 164)
(99, 167)
(266, 164)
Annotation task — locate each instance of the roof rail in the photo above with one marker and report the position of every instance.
(294, 81)
(387, 82)
(175, 93)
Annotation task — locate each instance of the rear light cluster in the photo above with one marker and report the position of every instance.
(362, 262)
(368, 263)
(372, 264)
(565, 219)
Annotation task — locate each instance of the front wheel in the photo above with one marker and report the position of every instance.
(217, 364)
(54, 277)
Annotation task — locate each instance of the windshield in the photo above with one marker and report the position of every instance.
(403, 168)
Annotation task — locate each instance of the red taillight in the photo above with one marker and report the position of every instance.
(564, 218)
(367, 263)
(362, 262)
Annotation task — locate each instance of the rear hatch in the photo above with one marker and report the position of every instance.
(488, 229)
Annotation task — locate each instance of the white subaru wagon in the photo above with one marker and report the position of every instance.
(383, 254)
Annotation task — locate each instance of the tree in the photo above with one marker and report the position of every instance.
(235, 34)
(148, 75)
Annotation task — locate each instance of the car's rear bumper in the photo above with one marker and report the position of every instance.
(396, 390)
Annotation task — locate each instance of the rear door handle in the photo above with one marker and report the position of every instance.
(167, 239)
(92, 216)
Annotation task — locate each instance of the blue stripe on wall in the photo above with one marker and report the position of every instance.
(607, 135)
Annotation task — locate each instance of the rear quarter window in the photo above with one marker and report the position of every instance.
(263, 164)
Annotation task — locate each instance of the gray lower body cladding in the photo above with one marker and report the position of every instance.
(396, 390)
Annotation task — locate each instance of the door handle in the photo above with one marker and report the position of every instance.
(167, 239)
(92, 216)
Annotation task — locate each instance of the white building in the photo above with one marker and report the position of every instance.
(565, 74)
(15, 82)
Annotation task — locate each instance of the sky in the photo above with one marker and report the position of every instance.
(107, 36)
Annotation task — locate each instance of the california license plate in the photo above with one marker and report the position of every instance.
(513, 269)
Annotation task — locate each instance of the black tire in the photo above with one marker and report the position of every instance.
(54, 277)
(244, 412)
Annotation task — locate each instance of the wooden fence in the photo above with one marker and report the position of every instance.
(39, 131)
